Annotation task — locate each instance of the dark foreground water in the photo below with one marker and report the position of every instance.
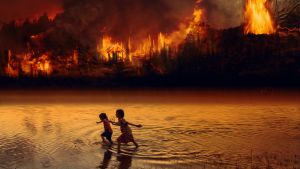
(182, 129)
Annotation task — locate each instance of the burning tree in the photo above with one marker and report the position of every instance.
(96, 45)
(258, 18)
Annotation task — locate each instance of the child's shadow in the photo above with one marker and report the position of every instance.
(106, 159)
(125, 161)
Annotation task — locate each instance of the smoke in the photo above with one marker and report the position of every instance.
(85, 21)
(122, 19)
(81, 23)
(21, 9)
(223, 14)
(156, 15)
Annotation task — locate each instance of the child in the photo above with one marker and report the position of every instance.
(107, 129)
(126, 135)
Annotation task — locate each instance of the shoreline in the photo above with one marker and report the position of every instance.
(151, 95)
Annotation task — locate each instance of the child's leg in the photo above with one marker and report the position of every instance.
(119, 146)
(136, 144)
(102, 136)
(108, 137)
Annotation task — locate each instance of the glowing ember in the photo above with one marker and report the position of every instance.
(258, 18)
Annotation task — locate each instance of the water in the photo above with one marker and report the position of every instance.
(181, 129)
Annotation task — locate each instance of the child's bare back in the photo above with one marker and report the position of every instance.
(126, 136)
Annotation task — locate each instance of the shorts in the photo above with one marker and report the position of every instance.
(107, 135)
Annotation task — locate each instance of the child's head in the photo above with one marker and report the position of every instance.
(103, 116)
(120, 113)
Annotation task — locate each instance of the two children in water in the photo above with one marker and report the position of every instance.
(126, 136)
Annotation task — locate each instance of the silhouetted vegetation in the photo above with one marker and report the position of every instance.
(211, 57)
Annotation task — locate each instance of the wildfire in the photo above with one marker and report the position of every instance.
(150, 45)
(196, 21)
(35, 63)
(117, 51)
(258, 18)
(191, 28)
(120, 51)
(110, 51)
(27, 65)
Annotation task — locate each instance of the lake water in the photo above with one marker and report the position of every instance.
(181, 129)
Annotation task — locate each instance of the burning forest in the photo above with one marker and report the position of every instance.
(139, 38)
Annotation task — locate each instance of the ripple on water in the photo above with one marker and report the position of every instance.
(15, 151)
(54, 135)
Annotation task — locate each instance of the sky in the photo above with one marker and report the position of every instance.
(20, 9)
(218, 13)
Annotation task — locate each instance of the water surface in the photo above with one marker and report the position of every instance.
(182, 129)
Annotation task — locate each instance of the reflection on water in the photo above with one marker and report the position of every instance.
(125, 161)
(106, 159)
(177, 132)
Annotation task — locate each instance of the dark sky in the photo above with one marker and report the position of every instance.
(20, 9)
(219, 13)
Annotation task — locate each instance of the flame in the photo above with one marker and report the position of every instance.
(150, 46)
(194, 25)
(191, 28)
(110, 50)
(10, 69)
(43, 64)
(27, 65)
(116, 51)
(146, 47)
(258, 18)
(35, 63)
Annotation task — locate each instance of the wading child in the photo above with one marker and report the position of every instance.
(107, 128)
(126, 136)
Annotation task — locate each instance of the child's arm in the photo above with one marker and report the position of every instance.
(98, 122)
(114, 123)
(135, 125)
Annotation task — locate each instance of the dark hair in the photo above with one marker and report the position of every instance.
(120, 113)
(102, 116)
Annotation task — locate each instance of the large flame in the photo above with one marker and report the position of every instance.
(27, 65)
(110, 50)
(36, 63)
(258, 18)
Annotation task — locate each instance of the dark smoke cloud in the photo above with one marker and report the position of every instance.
(121, 19)
(21, 9)
(223, 14)
(83, 22)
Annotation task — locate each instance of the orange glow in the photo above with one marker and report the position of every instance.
(28, 65)
(150, 46)
(192, 27)
(108, 49)
(52, 14)
(258, 18)
(10, 69)
(44, 64)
